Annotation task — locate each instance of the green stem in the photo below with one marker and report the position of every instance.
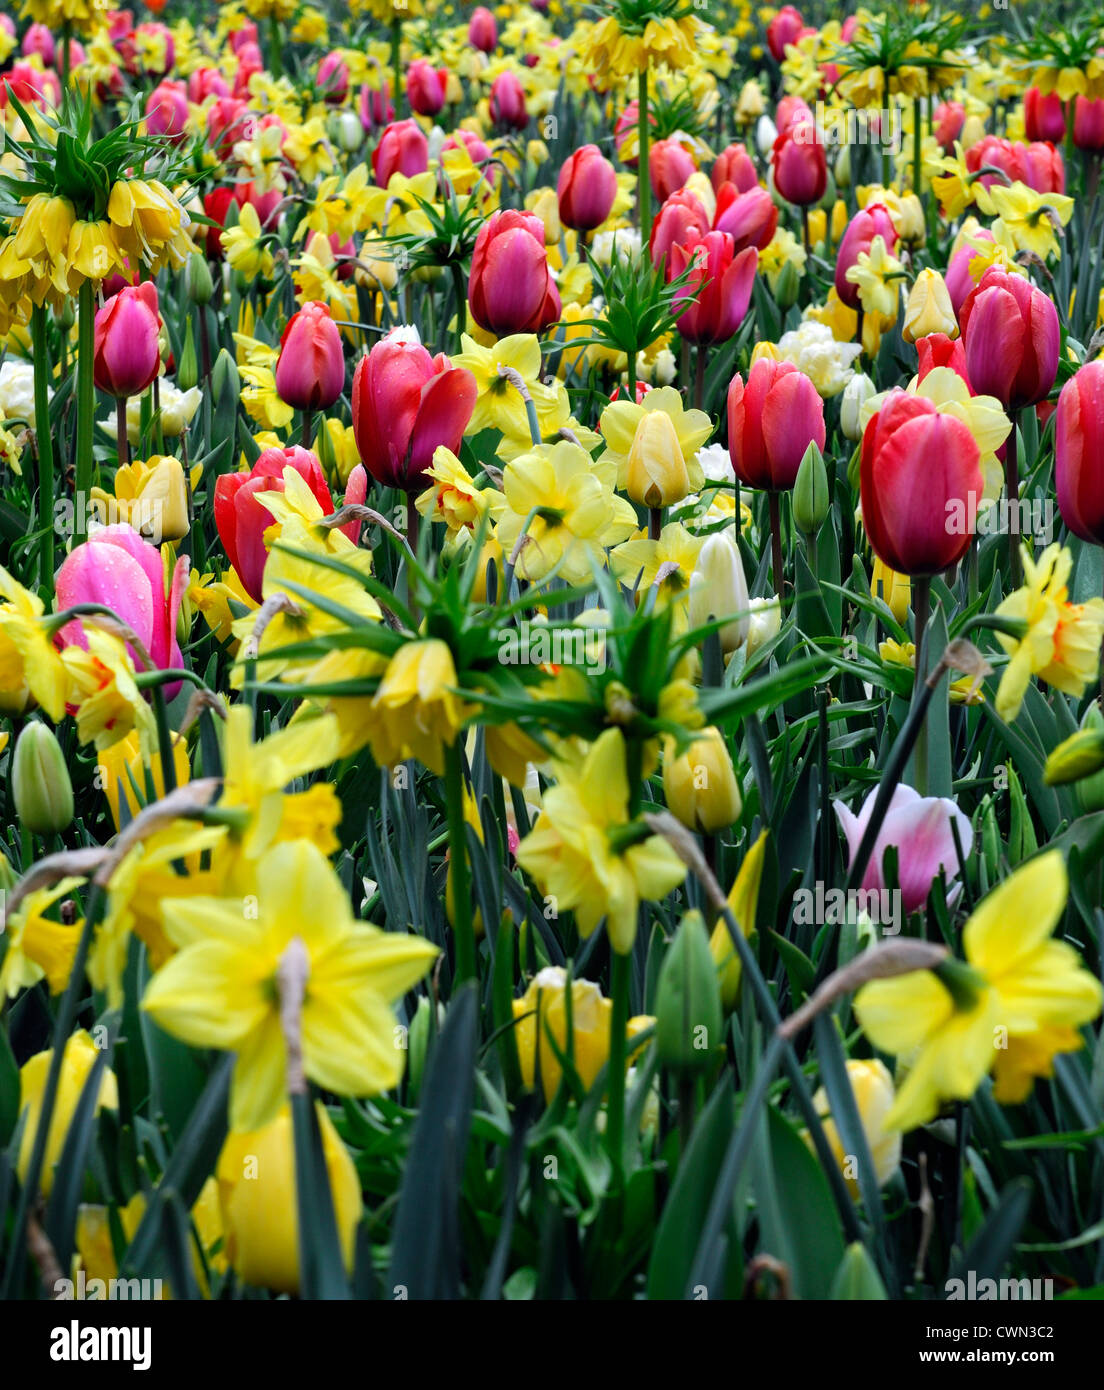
(644, 175)
(44, 443)
(396, 63)
(916, 146)
(458, 865)
(164, 739)
(620, 972)
(921, 596)
(461, 303)
(86, 405)
(1012, 488)
(277, 46)
(776, 540)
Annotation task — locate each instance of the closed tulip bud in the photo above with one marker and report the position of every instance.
(991, 848)
(700, 785)
(842, 168)
(670, 164)
(417, 1044)
(510, 289)
(1079, 453)
(872, 1088)
(928, 308)
(810, 492)
(918, 530)
(426, 87)
(743, 901)
(1088, 124)
(187, 369)
(855, 395)
(586, 189)
(872, 221)
(483, 30)
(402, 149)
(1089, 789)
(772, 420)
(589, 1040)
(718, 587)
(1080, 756)
(198, 284)
(800, 165)
(507, 102)
(787, 286)
(764, 622)
(127, 355)
(712, 305)
(77, 1062)
(1011, 337)
(766, 133)
(41, 787)
(310, 371)
(657, 475)
(224, 378)
(750, 219)
(895, 590)
(689, 1021)
(260, 1212)
(1044, 116)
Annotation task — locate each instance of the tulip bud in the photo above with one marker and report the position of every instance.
(764, 623)
(990, 841)
(187, 370)
(810, 492)
(743, 901)
(718, 587)
(855, 394)
(77, 1062)
(346, 131)
(872, 1088)
(895, 590)
(689, 1022)
(417, 1042)
(588, 1043)
(928, 308)
(657, 475)
(700, 784)
(843, 168)
(198, 285)
(787, 286)
(225, 378)
(1089, 790)
(766, 133)
(40, 781)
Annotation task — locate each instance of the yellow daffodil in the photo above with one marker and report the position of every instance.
(453, 497)
(743, 899)
(245, 251)
(38, 946)
(499, 404)
(1031, 218)
(29, 661)
(877, 275)
(101, 686)
(416, 712)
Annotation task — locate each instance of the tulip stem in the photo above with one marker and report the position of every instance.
(776, 540)
(458, 864)
(805, 230)
(306, 440)
(277, 46)
(396, 61)
(44, 443)
(643, 170)
(461, 304)
(121, 441)
(699, 377)
(921, 597)
(916, 124)
(655, 523)
(1012, 488)
(86, 406)
(620, 970)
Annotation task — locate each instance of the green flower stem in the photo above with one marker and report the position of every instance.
(458, 865)
(776, 541)
(620, 973)
(644, 176)
(916, 125)
(164, 738)
(1012, 488)
(86, 406)
(396, 63)
(44, 444)
(277, 46)
(461, 303)
(921, 598)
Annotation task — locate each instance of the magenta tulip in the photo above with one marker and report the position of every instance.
(310, 371)
(669, 165)
(1088, 124)
(772, 420)
(426, 87)
(800, 164)
(1079, 453)
(402, 149)
(871, 221)
(750, 218)
(483, 30)
(510, 289)
(126, 355)
(586, 189)
(718, 291)
(1011, 335)
(734, 165)
(507, 102)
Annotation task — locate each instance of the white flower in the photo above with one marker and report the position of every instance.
(766, 133)
(178, 409)
(625, 240)
(716, 464)
(855, 395)
(17, 391)
(404, 333)
(825, 361)
(765, 620)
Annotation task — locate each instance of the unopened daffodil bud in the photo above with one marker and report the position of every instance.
(810, 492)
(657, 474)
(41, 786)
(198, 285)
(743, 900)
(256, 1183)
(700, 785)
(77, 1062)
(928, 308)
(872, 1087)
(689, 1021)
(855, 395)
(1080, 759)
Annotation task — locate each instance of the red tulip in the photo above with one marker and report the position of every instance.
(356, 490)
(127, 357)
(800, 165)
(507, 102)
(1039, 164)
(310, 372)
(510, 289)
(204, 83)
(783, 30)
(242, 520)
(426, 87)
(586, 189)
(669, 166)
(920, 483)
(772, 420)
(937, 350)
(483, 30)
(167, 111)
(947, 123)
(734, 165)
(1044, 116)
(750, 218)
(407, 404)
(1088, 123)
(871, 221)
(1011, 336)
(720, 282)
(681, 218)
(402, 149)
(332, 79)
(119, 569)
(1079, 453)
(228, 120)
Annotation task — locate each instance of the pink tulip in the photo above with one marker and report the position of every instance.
(1088, 124)
(959, 281)
(800, 164)
(783, 30)
(406, 404)
(718, 291)
(126, 355)
(669, 166)
(310, 371)
(734, 165)
(681, 218)
(482, 30)
(772, 420)
(375, 106)
(1079, 453)
(402, 149)
(507, 102)
(356, 490)
(792, 111)
(426, 87)
(586, 189)
(873, 220)
(38, 39)
(167, 111)
(920, 829)
(206, 82)
(947, 123)
(1044, 116)
(332, 79)
(119, 569)
(510, 289)
(1038, 164)
(750, 218)
(1011, 336)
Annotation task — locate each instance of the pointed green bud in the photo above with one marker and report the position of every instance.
(689, 1020)
(787, 286)
(198, 284)
(810, 494)
(40, 781)
(225, 378)
(187, 371)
